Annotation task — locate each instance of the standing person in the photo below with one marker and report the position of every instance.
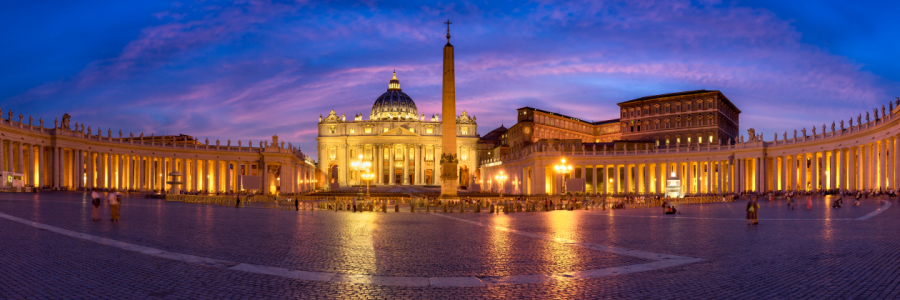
(752, 212)
(95, 212)
(237, 202)
(354, 204)
(113, 199)
(297, 203)
(808, 201)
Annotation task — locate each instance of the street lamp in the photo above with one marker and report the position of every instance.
(562, 169)
(367, 176)
(359, 166)
(500, 179)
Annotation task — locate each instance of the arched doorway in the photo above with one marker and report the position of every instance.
(429, 177)
(333, 182)
(463, 177)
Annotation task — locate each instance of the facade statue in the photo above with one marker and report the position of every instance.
(751, 134)
(207, 141)
(776, 136)
(89, 130)
(742, 140)
(282, 144)
(875, 112)
(320, 118)
(30, 120)
(803, 131)
(867, 117)
(274, 140)
(10, 115)
(65, 121)
(55, 123)
(882, 110)
(229, 143)
(131, 134)
(890, 106)
(82, 127)
(142, 134)
(832, 126)
(120, 133)
(851, 122)
(813, 130)
(842, 125)
(42, 122)
(823, 129)
(784, 137)
(217, 142)
(859, 119)
(109, 132)
(239, 143)
(20, 117)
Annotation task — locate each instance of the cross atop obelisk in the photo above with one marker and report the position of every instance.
(449, 179)
(448, 30)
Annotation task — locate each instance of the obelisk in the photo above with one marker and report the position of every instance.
(448, 127)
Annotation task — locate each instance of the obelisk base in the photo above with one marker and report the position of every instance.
(449, 181)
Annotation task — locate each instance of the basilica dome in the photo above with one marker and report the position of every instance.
(394, 104)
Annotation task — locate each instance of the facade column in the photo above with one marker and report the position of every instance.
(406, 164)
(882, 165)
(895, 164)
(218, 177)
(615, 182)
(862, 166)
(815, 171)
(197, 178)
(805, 186)
(20, 162)
(832, 169)
(646, 175)
(852, 168)
(264, 172)
(392, 174)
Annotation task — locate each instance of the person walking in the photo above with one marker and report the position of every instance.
(113, 199)
(297, 203)
(95, 212)
(752, 212)
(354, 204)
(237, 202)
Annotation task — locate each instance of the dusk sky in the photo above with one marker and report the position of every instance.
(250, 69)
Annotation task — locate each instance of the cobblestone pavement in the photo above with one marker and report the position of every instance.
(817, 253)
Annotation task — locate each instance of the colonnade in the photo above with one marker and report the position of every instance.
(61, 158)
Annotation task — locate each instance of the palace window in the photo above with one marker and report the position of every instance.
(385, 129)
(429, 130)
(368, 130)
(667, 142)
(688, 107)
(657, 143)
(352, 131)
(700, 139)
(689, 140)
(465, 130)
(412, 130)
(667, 109)
(331, 129)
(710, 138)
(678, 140)
(464, 155)
(688, 123)
(638, 112)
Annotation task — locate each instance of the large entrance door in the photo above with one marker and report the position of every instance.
(429, 177)
(398, 177)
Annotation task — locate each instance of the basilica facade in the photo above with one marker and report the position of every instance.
(400, 144)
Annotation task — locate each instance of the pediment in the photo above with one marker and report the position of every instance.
(399, 131)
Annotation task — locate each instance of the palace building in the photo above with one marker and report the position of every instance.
(692, 137)
(401, 145)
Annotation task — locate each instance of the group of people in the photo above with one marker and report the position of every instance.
(112, 198)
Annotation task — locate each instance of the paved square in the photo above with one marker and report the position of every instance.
(50, 248)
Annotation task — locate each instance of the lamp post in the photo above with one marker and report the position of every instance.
(562, 169)
(500, 179)
(359, 165)
(367, 176)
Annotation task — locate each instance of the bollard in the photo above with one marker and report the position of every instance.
(383, 207)
(396, 207)
(428, 208)
(492, 208)
(445, 207)
(412, 207)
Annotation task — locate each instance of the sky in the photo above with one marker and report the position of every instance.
(247, 70)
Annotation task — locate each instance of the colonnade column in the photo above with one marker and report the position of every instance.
(895, 164)
(616, 180)
(882, 168)
(815, 171)
(405, 164)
